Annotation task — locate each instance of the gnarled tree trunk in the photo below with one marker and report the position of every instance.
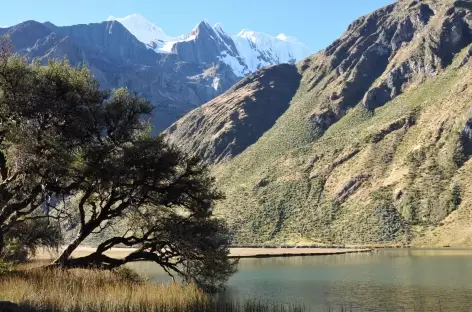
(64, 259)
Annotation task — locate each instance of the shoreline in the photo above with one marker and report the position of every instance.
(245, 253)
(235, 253)
(256, 252)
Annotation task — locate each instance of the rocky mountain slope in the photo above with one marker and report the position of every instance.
(245, 52)
(193, 73)
(374, 147)
(224, 127)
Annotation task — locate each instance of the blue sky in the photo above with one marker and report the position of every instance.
(315, 22)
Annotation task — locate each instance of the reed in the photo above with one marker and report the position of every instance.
(39, 290)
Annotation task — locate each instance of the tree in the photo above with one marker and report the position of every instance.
(74, 153)
(23, 240)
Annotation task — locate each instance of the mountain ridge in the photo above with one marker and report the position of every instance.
(118, 59)
(244, 52)
(200, 67)
(241, 121)
(375, 145)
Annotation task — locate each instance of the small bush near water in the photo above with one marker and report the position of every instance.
(40, 290)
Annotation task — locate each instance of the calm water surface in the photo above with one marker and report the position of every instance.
(387, 280)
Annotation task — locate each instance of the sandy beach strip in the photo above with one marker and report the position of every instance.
(234, 252)
(290, 252)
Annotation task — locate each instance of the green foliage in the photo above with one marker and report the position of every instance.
(392, 224)
(459, 156)
(333, 209)
(85, 159)
(411, 207)
(383, 194)
(128, 275)
(452, 199)
(5, 267)
(456, 195)
(25, 238)
(416, 158)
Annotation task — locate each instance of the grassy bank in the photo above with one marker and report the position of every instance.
(120, 291)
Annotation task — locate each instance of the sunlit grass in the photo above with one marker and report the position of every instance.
(37, 290)
(93, 290)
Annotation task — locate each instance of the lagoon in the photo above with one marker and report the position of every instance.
(383, 280)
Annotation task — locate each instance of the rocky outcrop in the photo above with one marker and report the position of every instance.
(435, 51)
(375, 39)
(344, 157)
(374, 60)
(394, 126)
(465, 141)
(350, 187)
(226, 126)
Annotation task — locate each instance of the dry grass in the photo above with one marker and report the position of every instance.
(38, 290)
(90, 290)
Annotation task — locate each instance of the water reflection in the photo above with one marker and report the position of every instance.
(387, 280)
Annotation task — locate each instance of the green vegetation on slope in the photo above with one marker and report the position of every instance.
(339, 169)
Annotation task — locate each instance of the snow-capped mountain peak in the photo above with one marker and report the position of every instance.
(259, 49)
(245, 33)
(244, 53)
(202, 25)
(144, 30)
